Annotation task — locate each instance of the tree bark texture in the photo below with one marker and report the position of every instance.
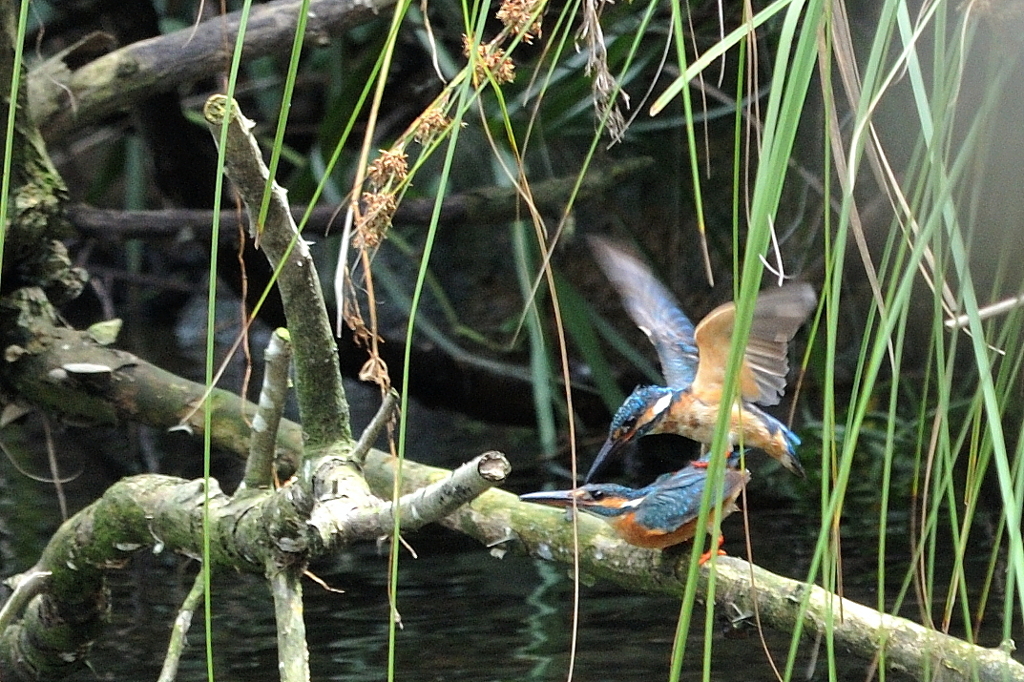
(63, 98)
(322, 403)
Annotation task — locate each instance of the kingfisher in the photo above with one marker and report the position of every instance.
(656, 516)
(693, 361)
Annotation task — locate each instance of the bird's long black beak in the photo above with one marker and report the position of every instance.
(609, 450)
(552, 498)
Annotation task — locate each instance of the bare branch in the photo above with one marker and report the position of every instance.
(182, 623)
(62, 99)
(292, 652)
(429, 503)
(259, 467)
(373, 429)
(322, 404)
(482, 206)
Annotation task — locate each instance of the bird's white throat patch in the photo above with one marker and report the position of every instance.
(662, 404)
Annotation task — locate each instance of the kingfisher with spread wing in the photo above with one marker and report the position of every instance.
(693, 361)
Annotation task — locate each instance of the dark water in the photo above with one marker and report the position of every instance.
(466, 616)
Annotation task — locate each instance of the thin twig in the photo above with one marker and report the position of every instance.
(26, 585)
(373, 429)
(259, 467)
(292, 652)
(179, 630)
(51, 458)
(998, 308)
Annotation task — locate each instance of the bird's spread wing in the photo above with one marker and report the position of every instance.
(777, 315)
(653, 309)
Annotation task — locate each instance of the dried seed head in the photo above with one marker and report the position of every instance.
(378, 210)
(360, 333)
(375, 370)
(389, 169)
(517, 15)
(492, 59)
(432, 123)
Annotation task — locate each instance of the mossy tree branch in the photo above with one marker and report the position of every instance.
(499, 520)
(322, 404)
(32, 254)
(39, 350)
(63, 606)
(266, 532)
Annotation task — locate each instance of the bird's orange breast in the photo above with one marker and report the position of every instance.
(695, 418)
(691, 417)
(652, 538)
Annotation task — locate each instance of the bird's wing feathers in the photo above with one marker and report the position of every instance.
(674, 501)
(653, 308)
(777, 315)
(677, 501)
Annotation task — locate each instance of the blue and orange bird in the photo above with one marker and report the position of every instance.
(656, 516)
(694, 361)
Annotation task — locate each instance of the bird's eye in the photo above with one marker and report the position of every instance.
(596, 495)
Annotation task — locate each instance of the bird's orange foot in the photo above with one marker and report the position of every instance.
(717, 550)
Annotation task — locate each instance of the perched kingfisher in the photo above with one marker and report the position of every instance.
(694, 362)
(659, 515)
